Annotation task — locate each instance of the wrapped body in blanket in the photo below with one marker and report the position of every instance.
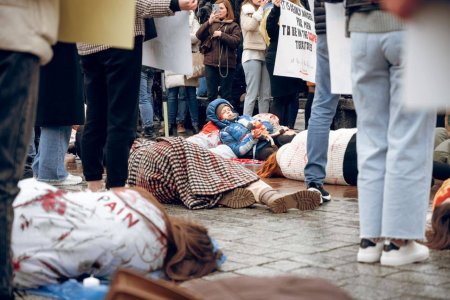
(177, 171)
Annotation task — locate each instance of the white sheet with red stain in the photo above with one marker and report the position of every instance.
(59, 234)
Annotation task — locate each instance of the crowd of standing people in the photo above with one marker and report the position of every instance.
(394, 146)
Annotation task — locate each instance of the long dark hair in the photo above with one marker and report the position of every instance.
(190, 251)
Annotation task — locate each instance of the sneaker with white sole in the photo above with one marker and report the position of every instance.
(70, 180)
(369, 251)
(315, 187)
(409, 253)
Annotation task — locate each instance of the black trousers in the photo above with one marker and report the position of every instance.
(19, 76)
(285, 108)
(111, 82)
(214, 79)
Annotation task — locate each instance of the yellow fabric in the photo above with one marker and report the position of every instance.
(262, 26)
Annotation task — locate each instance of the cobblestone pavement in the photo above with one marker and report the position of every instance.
(320, 243)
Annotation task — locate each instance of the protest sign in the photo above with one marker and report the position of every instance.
(171, 50)
(427, 62)
(105, 22)
(339, 49)
(296, 52)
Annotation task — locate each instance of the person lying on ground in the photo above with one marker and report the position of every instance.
(209, 136)
(246, 136)
(59, 235)
(438, 236)
(290, 160)
(177, 171)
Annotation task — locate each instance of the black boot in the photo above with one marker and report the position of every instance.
(173, 130)
(149, 132)
(195, 129)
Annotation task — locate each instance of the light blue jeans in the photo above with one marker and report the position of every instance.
(258, 84)
(322, 113)
(178, 100)
(48, 164)
(394, 146)
(145, 97)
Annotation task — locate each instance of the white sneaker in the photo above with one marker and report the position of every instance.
(369, 251)
(70, 180)
(409, 253)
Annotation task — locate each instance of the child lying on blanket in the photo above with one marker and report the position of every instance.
(59, 235)
(210, 136)
(177, 171)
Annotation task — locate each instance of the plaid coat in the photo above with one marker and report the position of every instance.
(175, 170)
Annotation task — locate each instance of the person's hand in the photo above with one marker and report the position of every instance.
(256, 133)
(75, 127)
(217, 33)
(187, 4)
(402, 8)
(212, 18)
(277, 3)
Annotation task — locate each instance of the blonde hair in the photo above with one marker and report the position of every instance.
(190, 251)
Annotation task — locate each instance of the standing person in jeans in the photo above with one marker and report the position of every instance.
(323, 110)
(60, 106)
(220, 37)
(395, 146)
(22, 49)
(254, 58)
(146, 101)
(111, 79)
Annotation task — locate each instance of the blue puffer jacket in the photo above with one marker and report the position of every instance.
(237, 133)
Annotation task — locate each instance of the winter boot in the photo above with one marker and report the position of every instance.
(149, 132)
(237, 198)
(279, 203)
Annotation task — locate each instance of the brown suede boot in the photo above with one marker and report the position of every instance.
(237, 198)
(279, 203)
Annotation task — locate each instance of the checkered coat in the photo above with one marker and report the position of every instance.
(175, 170)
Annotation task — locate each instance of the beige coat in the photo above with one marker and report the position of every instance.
(29, 26)
(174, 80)
(250, 20)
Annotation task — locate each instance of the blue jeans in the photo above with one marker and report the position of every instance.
(322, 113)
(48, 164)
(176, 101)
(145, 96)
(394, 146)
(201, 90)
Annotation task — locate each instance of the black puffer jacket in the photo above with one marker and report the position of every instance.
(320, 17)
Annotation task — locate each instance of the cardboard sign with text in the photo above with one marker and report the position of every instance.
(104, 22)
(296, 52)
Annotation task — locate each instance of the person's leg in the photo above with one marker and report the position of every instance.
(264, 90)
(94, 132)
(409, 157)
(212, 82)
(122, 77)
(226, 84)
(323, 110)
(172, 107)
(292, 111)
(145, 104)
(277, 108)
(48, 165)
(201, 90)
(182, 110)
(191, 99)
(28, 170)
(371, 93)
(279, 203)
(252, 70)
(18, 98)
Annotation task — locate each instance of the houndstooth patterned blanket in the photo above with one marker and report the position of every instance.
(175, 170)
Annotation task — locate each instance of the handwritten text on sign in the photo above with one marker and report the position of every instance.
(296, 52)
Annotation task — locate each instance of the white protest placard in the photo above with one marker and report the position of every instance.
(427, 59)
(339, 49)
(296, 52)
(171, 49)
